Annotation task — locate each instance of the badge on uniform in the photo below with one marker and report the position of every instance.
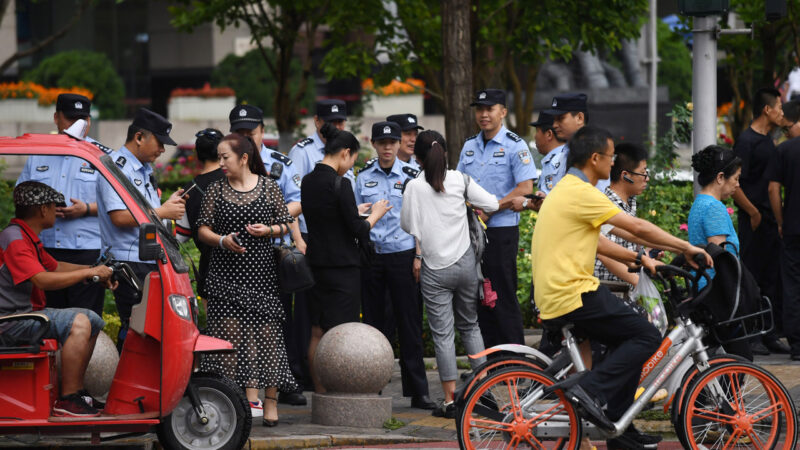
(499, 154)
(137, 181)
(85, 169)
(557, 164)
(43, 168)
(548, 181)
(524, 157)
(370, 184)
(296, 179)
(469, 153)
(399, 185)
(121, 161)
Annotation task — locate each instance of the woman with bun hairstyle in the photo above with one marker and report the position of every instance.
(718, 170)
(239, 217)
(434, 213)
(335, 230)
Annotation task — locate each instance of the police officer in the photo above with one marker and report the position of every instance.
(75, 238)
(392, 271)
(500, 162)
(409, 128)
(144, 143)
(248, 121)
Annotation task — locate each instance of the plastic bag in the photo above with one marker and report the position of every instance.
(646, 294)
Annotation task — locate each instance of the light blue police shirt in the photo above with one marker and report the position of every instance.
(75, 178)
(305, 155)
(498, 167)
(124, 242)
(289, 181)
(554, 167)
(372, 185)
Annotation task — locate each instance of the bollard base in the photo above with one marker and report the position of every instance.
(350, 410)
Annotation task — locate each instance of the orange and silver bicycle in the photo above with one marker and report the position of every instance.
(727, 403)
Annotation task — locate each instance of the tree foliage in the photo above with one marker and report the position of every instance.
(90, 70)
(675, 66)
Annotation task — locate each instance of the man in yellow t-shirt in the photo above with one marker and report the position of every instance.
(566, 240)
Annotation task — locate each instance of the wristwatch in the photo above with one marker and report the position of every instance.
(525, 204)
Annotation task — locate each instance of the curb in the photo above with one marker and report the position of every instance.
(319, 441)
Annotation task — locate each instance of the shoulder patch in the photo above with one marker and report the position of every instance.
(410, 171)
(296, 179)
(121, 161)
(282, 158)
(369, 164)
(106, 150)
(472, 137)
(305, 142)
(513, 136)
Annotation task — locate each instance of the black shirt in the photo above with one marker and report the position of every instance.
(193, 203)
(333, 221)
(756, 151)
(786, 171)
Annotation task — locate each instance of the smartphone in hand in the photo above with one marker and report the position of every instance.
(186, 192)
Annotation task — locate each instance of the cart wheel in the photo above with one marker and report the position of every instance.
(228, 412)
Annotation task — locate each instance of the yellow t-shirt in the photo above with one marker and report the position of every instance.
(565, 245)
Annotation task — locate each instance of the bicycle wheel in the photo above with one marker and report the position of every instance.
(496, 413)
(688, 378)
(738, 405)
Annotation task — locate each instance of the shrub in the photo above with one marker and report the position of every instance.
(90, 70)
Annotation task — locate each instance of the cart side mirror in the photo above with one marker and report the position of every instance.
(149, 248)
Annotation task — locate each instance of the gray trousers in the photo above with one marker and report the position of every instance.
(451, 299)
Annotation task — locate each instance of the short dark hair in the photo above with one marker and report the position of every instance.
(584, 142)
(629, 156)
(791, 110)
(132, 130)
(206, 144)
(585, 116)
(26, 211)
(766, 96)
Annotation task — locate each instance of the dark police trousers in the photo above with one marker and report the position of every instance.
(630, 339)
(297, 333)
(125, 296)
(761, 254)
(790, 272)
(79, 295)
(503, 323)
(391, 276)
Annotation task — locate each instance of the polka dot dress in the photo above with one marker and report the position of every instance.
(244, 307)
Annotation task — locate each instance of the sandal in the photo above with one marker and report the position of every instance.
(266, 422)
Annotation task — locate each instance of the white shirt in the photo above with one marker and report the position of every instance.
(439, 219)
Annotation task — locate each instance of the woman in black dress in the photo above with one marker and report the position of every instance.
(239, 217)
(334, 227)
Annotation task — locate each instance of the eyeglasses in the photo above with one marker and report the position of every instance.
(612, 156)
(646, 174)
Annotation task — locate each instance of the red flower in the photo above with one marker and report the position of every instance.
(303, 111)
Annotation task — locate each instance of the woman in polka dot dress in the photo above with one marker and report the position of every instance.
(239, 217)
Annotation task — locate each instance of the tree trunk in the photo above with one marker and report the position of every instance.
(457, 70)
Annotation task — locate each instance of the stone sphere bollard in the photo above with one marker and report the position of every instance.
(102, 366)
(353, 361)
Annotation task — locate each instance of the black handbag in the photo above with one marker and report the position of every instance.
(294, 274)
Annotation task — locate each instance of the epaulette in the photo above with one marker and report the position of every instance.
(106, 150)
(369, 164)
(513, 136)
(282, 158)
(410, 171)
(472, 137)
(305, 142)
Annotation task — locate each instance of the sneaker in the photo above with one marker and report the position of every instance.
(633, 438)
(73, 405)
(257, 409)
(446, 410)
(91, 401)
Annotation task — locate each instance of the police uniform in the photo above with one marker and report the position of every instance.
(554, 167)
(498, 166)
(124, 242)
(310, 151)
(77, 240)
(390, 276)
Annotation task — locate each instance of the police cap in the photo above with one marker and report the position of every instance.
(385, 130)
(331, 109)
(564, 103)
(406, 121)
(154, 123)
(489, 97)
(245, 117)
(73, 106)
(543, 121)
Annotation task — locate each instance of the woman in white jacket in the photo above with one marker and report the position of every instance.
(434, 213)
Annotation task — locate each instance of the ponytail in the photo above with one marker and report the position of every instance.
(244, 145)
(336, 140)
(431, 150)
